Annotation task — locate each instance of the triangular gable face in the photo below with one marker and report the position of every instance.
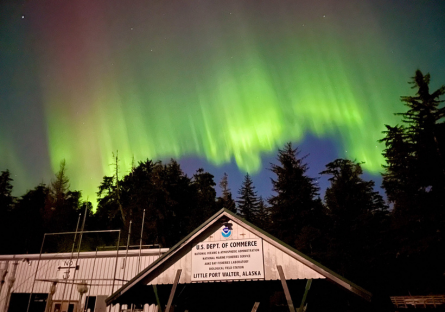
(234, 253)
(227, 248)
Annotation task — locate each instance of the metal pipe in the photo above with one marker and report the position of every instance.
(124, 265)
(91, 282)
(78, 254)
(115, 266)
(140, 242)
(35, 274)
(99, 231)
(71, 258)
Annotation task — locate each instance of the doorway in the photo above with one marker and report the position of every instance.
(62, 306)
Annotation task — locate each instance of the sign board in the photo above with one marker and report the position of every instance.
(66, 269)
(228, 260)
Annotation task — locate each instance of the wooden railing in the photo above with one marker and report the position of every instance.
(418, 301)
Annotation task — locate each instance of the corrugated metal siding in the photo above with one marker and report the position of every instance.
(293, 269)
(99, 280)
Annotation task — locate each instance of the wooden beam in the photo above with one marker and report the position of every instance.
(286, 290)
(255, 306)
(172, 293)
(306, 290)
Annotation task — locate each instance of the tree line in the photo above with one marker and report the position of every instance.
(391, 247)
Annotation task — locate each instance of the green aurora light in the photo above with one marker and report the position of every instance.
(224, 83)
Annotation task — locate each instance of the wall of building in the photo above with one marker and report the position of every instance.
(102, 273)
(293, 269)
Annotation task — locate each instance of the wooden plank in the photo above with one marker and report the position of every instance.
(286, 290)
(172, 293)
(306, 290)
(255, 306)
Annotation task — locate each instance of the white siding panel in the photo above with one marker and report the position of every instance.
(293, 268)
(97, 271)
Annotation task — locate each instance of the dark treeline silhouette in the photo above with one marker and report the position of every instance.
(397, 251)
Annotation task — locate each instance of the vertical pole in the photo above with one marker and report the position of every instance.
(140, 242)
(78, 254)
(35, 274)
(306, 290)
(286, 290)
(126, 252)
(71, 258)
(172, 293)
(115, 265)
(125, 260)
(91, 282)
(155, 290)
(49, 301)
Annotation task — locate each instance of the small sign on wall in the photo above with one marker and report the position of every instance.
(228, 260)
(66, 269)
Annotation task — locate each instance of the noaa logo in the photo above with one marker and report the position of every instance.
(226, 232)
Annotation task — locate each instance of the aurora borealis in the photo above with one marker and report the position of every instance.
(222, 82)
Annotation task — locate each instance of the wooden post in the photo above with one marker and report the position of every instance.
(306, 290)
(172, 293)
(286, 290)
(255, 306)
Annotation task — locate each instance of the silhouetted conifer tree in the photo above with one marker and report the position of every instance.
(295, 204)
(357, 216)
(414, 181)
(248, 203)
(6, 207)
(226, 200)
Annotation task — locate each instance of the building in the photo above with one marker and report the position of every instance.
(68, 282)
(230, 264)
(225, 264)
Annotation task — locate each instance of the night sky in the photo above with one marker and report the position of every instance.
(214, 84)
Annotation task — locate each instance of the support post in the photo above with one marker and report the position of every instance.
(255, 306)
(49, 300)
(37, 269)
(11, 281)
(155, 290)
(172, 293)
(115, 264)
(286, 290)
(3, 272)
(306, 290)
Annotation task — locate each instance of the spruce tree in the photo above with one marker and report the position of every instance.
(356, 214)
(248, 203)
(295, 204)
(6, 207)
(204, 186)
(6, 198)
(262, 218)
(226, 200)
(415, 150)
(414, 181)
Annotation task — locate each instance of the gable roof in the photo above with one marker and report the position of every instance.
(223, 216)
